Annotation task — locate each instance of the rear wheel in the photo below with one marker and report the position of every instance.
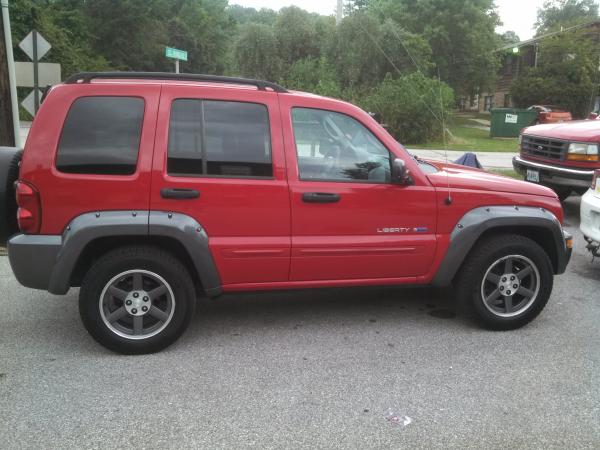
(137, 300)
(506, 282)
(9, 173)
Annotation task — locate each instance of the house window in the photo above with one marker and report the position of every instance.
(488, 102)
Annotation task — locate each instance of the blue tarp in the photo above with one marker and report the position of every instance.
(470, 160)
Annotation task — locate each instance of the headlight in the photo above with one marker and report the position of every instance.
(582, 152)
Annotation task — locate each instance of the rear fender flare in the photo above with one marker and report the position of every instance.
(88, 227)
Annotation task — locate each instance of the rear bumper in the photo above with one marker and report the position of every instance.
(33, 258)
(563, 176)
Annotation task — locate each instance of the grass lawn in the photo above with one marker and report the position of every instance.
(507, 173)
(471, 139)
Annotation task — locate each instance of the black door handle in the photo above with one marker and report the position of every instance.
(320, 197)
(180, 194)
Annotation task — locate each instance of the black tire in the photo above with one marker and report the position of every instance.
(470, 287)
(149, 260)
(9, 173)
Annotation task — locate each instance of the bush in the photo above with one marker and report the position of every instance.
(313, 75)
(412, 107)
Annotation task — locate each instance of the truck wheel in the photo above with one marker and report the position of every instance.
(505, 282)
(136, 300)
(9, 173)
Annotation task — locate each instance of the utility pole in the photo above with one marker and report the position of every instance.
(9, 107)
(339, 11)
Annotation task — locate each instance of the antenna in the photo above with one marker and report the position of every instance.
(447, 200)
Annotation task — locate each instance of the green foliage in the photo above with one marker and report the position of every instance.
(364, 51)
(509, 37)
(565, 13)
(461, 34)
(255, 52)
(296, 35)
(313, 75)
(413, 107)
(565, 76)
(63, 25)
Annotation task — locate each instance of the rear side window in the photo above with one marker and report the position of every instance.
(219, 138)
(101, 135)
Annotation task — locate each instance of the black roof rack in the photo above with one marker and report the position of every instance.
(86, 77)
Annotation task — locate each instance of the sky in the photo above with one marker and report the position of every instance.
(517, 15)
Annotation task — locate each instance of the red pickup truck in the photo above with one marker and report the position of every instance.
(147, 190)
(561, 156)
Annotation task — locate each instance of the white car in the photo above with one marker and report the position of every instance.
(590, 215)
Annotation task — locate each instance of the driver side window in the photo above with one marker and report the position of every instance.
(331, 146)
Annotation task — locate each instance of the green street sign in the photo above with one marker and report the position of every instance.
(176, 53)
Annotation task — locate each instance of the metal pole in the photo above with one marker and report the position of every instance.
(36, 92)
(11, 72)
(176, 66)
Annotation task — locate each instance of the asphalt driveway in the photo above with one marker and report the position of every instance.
(329, 369)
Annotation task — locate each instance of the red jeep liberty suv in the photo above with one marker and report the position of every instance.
(149, 189)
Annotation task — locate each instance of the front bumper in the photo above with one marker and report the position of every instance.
(563, 176)
(568, 241)
(590, 216)
(33, 258)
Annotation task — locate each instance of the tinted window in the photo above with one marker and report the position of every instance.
(335, 147)
(219, 138)
(101, 135)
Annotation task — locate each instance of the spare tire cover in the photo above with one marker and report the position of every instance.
(9, 173)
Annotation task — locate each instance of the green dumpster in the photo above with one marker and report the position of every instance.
(508, 122)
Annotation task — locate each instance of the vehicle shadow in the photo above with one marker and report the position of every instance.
(333, 308)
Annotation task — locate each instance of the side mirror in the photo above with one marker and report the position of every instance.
(400, 175)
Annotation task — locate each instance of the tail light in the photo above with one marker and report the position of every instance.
(29, 214)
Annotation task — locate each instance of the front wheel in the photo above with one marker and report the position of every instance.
(506, 282)
(136, 300)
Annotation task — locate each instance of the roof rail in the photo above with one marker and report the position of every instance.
(86, 77)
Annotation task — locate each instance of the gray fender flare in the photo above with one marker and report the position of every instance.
(91, 226)
(479, 220)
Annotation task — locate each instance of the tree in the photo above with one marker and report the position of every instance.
(365, 50)
(255, 52)
(565, 13)
(412, 106)
(295, 33)
(509, 37)
(313, 75)
(132, 34)
(461, 34)
(243, 15)
(63, 24)
(566, 75)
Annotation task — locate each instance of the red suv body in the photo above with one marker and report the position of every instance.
(147, 189)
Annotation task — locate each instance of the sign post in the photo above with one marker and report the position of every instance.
(35, 46)
(177, 55)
